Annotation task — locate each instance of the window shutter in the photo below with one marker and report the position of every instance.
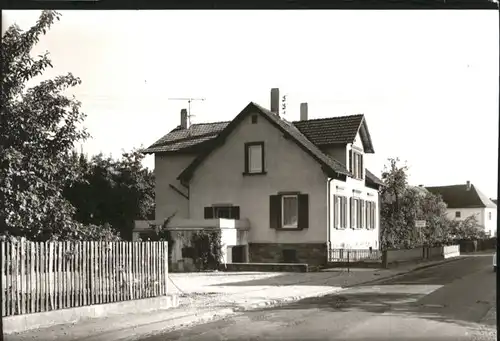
(246, 159)
(373, 215)
(274, 211)
(368, 215)
(344, 207)
(209, 212)
(335, 211)
(341, 212)
(351, 168)
(362, 170)
(352, 213)
(235, 212)
(362, 213)
(303, 222)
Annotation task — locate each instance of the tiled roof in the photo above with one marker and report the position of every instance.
(330, 130)
(292, 130)
(179, 139)
(494, 201)
(288, 128)
(457, 196)
(308, 134)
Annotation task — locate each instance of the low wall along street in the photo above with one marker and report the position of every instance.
(421, 253)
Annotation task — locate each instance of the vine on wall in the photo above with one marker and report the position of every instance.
(207, 249)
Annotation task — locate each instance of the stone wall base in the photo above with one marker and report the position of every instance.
(310, 253)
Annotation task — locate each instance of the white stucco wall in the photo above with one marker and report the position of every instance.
(357, 142)
(490, 224)
(348, 237)
(482, 215)
(219, 179)
(168, 201)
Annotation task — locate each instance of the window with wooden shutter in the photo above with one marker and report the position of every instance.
(361, 167)
(342, 212)
(373, 215)
(362, 214)
(303, 211)
(351, 168)
(352, 213)
(289, 211)
(336, 214)
(367, 214)
(275, 211)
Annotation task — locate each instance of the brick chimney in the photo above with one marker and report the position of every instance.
(275, 101)
(184, 119)
(468, 185)
(303, 112)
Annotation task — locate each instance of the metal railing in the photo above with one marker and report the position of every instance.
(354, 255)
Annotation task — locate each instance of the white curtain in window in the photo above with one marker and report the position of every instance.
(290, 211)
(255, 155)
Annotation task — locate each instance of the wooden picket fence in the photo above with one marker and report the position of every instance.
(45, 276)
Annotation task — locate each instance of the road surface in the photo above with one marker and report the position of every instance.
(454, 301)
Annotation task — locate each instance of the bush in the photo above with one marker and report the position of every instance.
(207, 249)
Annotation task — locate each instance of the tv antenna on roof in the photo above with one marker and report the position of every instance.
(189, 100)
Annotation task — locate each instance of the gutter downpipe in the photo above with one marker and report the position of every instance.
(328, 242)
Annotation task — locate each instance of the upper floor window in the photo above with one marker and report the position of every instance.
(489, 215)
(356, 164)
(458, 214)
(254, 158)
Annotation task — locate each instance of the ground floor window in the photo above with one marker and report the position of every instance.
(370, 215)
(340, 212)
(290, 211)
(362, 214)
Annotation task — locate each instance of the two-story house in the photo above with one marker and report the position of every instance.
(467, 200)
(302, 186)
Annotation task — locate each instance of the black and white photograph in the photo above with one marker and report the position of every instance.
(256, 175)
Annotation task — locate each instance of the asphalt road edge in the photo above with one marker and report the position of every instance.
(404, 272)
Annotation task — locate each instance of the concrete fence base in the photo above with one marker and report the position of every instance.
(22, 323)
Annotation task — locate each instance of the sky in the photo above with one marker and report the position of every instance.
(426, 81)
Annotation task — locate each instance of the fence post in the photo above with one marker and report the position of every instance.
(348, 269)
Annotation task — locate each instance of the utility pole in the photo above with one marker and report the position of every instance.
(189, 100)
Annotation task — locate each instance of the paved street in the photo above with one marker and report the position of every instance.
(453, 301)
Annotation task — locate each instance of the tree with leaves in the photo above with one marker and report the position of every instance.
(402, 205)
(38, 129)
(114, 192)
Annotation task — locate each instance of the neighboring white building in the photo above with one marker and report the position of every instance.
(302, 186)
(466, 200)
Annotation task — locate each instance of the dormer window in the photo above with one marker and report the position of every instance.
(356, 164)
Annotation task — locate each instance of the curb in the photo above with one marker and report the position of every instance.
(404, 272)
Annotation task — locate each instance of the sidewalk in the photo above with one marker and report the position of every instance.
(208, 296)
